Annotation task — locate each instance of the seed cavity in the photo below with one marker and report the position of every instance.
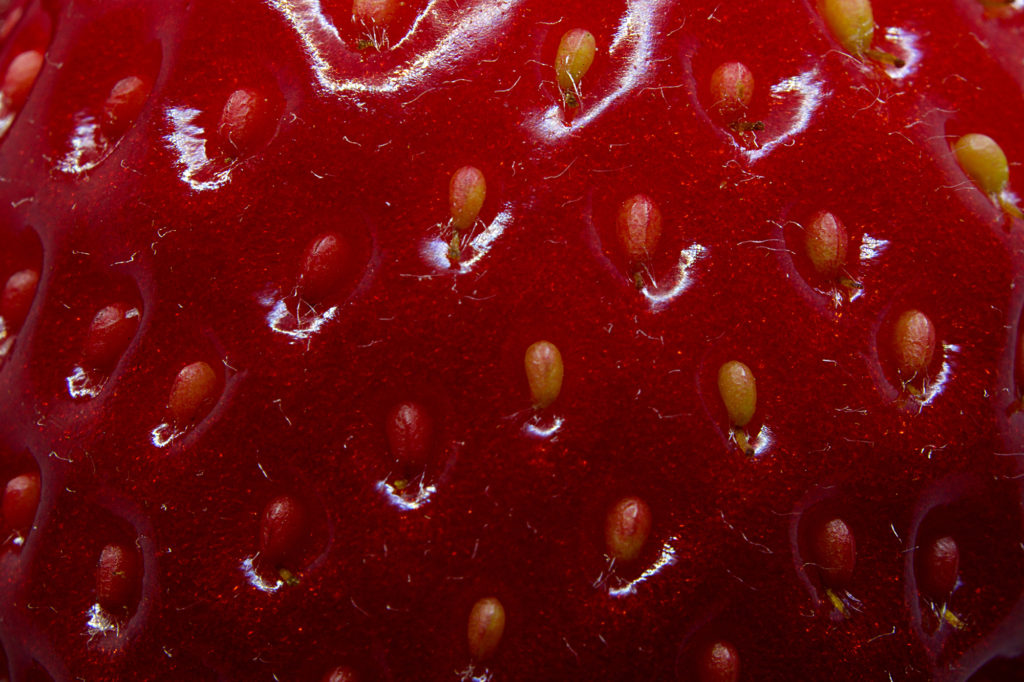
(123, 105)
(410, 433)
(913, 344)
(19, 292)
(20, 501)
(284, 529)
(21, 75)
(738, 391)
(852, 22)
(986, 165)
(324, 267)
(834, 552)
(719, 662)
(193, 394)
(111, 331)
(627, 528)
(574, 58)
(118, 577)
(638, 228)
(486, 627)
(544, 373)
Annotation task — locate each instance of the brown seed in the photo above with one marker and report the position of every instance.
(123, 105)
(939, 566)
(112, 329)
(738, 390)
(913, 344)
(572, 61)
(21, 500)
(19, 292)
(486, 626)
(720, 662)
(466, 192)
(410, 431)
(638, 227)
(627, 528)
(21, 75)
(826, 243)
(283, 530)
(118, 574)
(193, 393)
(544, 372)
(732, 87)
(834, 552)
(324, 267)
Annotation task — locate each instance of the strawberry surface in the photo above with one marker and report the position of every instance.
(719, 378)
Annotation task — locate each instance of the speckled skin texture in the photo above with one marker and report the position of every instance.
(206, 238)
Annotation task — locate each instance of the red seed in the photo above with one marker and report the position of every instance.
(913, 344)
(193, 393)
(21, 75)
(283, 530)
(118, 575)
(627, 528)
(340, 674)
(544, 372)
(939, 566)
(112, 329)
(373, 12)
(732, 87)
(826, 242)
(834, 552)
(21, 500)
(324, 267)
(123, 105)
(243, 121)
(486, 626)
(720, 662)
(466, 192)
(638, 227)
(410, 430)
(19, 292)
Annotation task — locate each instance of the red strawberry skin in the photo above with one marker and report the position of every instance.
(202, 222)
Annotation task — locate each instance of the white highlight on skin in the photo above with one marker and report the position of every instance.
(86, 147)
(400, 498)
(100, 622)
(666, 558)
(186, 140)
(934, 388)
(682, 281)
(253, 577)
(910, 53)
(535, 428)
(320, 38)
(809, 90)
(82, 385)
(305, 326)
(436, 250)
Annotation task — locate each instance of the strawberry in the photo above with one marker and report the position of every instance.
(602, 340)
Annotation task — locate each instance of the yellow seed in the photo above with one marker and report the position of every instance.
(544, 371)
(984, 161)
(738, 391)
(486, 626)
(851, 21)
(466, 193)
(575, 55)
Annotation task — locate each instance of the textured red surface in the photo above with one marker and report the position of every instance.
(362, 144)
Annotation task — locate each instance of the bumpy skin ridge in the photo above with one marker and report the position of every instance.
(362, 143)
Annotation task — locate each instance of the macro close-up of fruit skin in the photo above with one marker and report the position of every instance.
(507, 340)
